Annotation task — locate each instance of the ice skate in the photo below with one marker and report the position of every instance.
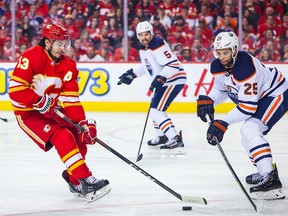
(174, 147)
(94, 188)
(158, 141)
(269, 187)
(255, 178)
(76, 190)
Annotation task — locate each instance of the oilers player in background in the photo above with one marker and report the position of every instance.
(42, 75)
(261, 97)
(167, 78)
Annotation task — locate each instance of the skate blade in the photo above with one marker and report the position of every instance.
(93, 196)
(176, 151)
(78, 195)
(268, 195)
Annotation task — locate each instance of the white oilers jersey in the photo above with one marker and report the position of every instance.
(245, 84)
(158, 59)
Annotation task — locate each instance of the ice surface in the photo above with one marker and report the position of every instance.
(31, 182)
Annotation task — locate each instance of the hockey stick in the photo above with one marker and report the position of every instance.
(234, 174)
(140, 156)
(189, 199)
(4, 119)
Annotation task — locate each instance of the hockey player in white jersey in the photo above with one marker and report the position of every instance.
(167, 78)
(261, 97)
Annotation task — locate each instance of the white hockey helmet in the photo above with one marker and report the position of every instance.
(144, 27)
(225, 40)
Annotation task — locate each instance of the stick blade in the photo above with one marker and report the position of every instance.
(139, 157)
(192, 199)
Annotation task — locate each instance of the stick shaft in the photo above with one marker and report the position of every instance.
(235, 176)
(198, 200)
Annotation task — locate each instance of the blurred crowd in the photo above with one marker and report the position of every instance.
(96, 26)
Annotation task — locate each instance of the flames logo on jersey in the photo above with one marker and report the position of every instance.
(42, 84)
(232, 93)
(148, 66)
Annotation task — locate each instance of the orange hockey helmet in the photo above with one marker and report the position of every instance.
(54, 32)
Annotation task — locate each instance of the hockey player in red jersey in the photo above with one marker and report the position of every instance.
(261, 97)
(167, 78)
(42, 76)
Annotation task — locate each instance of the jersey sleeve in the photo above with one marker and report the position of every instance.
(20, 91)
(73, 108)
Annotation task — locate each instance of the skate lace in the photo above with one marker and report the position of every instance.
(256, 177)
(155, 140)
(90, 179)
(265, 179)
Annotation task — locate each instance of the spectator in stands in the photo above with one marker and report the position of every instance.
(265, 55)
(106, 8)
(114, 32)
(165, 20)
(269, 11)
(23, 7)
(42, 8)
(132, 53)
(186, 54)
(179, 24)
(3, 57)
(284, 26)
(248, 43)
(53, 16)
(20, 38)
(169, 8)
(105, 51)
(275, 55)
(252, 18)
(85, 39)
(7, 48)
(22, 48)
(79, 51)
(28, 30)
(119, 17)
(146, 6)
(91, 55)
(72, 29)
(197, 33)
(285, 53)
(207, 15)
(35, 20)
(158, 28)
(93, 28)
(34, 41)
(198, 53)
(4, 29)
(283, 41)
(268, 36)
(269, 24)
(70, 52)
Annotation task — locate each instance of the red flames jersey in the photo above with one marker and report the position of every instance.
(37, 74)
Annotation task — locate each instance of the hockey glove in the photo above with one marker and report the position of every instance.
(216, 131)
(89, 135)
(157, 83)
(127, 77)
(205, 106)
(46, 106)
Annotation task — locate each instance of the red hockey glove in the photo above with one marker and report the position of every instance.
(46, 106)
(90, 133)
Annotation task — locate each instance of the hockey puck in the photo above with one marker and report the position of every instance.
(187, 208)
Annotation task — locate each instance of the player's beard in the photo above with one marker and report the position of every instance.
(227, 64)
(56, 59)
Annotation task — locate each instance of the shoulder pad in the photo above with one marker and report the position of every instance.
(217, 67)
(244, 67)
(156, 43)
